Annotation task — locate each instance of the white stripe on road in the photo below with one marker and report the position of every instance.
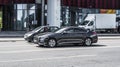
(57, 49)
(52, 58)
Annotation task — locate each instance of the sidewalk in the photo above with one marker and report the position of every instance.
(108, 37)
(12, 34)
(11, 39)
(108, 34)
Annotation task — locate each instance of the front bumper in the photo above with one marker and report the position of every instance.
(39, 41)
(35, 40)
(42, 42)
(28, 38)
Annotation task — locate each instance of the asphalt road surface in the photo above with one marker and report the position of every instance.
(105, 53)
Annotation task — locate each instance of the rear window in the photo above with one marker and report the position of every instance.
(79, 30)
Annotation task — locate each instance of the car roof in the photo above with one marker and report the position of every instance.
(49, 26)
(74, 27)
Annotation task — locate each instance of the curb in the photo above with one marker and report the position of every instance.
(106, 35)
(11, 39)
(108, 38)
(11, 36)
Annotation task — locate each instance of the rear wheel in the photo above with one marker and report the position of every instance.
(88, 42)
(51, 43)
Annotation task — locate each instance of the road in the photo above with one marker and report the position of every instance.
(105, 53)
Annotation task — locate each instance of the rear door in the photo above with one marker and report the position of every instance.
(79, 35)
(66, 36)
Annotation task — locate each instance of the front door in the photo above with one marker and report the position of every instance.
(66, 36)
(79, 35)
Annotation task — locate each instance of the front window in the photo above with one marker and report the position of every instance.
(37, 29)
(60, 30)
(69, 31)
(84, 23)
(91, 23)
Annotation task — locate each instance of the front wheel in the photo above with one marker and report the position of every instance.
(88, 42)
(29, 41)
(52, 43)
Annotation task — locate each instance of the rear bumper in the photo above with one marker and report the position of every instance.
(95, 39)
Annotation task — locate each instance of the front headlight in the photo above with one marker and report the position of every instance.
(25, 36)
(29, 35)
(41, 38)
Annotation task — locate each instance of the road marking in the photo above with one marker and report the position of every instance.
(52, 58)
(56, 49)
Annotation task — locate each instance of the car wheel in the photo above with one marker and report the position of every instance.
(29, 41)
(52, 43)
(88, 42)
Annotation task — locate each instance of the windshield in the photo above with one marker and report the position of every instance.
(37, 29)
(60, 30)
(84, 23)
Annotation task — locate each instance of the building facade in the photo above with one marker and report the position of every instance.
(25, 15)
(19, 15)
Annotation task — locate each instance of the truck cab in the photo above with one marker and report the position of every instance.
(100, 22)
(89, 22)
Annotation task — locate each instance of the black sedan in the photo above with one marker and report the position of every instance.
(29, 36)
(74, 35)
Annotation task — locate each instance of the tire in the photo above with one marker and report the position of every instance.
(88, 42)
(29, 41)
(51, 43)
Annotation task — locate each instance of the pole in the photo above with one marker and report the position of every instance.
(43, 14)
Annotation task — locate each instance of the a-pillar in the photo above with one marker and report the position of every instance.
(53, 13)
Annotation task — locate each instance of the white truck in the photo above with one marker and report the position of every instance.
(100, 22)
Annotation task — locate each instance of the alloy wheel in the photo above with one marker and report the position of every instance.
(88, 42)
(52, 43)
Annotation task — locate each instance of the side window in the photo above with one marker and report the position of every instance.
(53, 29)
(46, 29)
(91, 23)
(69, 30)
(78, 30)
(42, 30)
